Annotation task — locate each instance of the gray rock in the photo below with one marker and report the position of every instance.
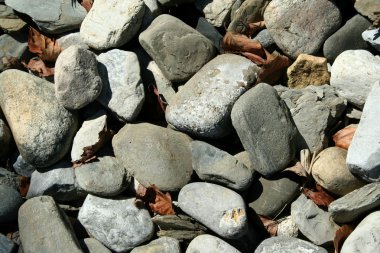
(6, 245)
(152, 10)
(266, 132)
(356, 203)
(286, 244)
(5, 140)
(112, 23)
(348, 37)
(296, 26)
(173, 2)
(10, 203)
(372, 37)
(369, 8)
(91, 245)
(316, 224)
(364, 150)
(22, 167)
(11, 46)
(178, 49)
(164, 86)
(210, 32)
(202, 107)
(123, 90)
(44, 227)
(235, 7)
(9, 21)
(161, 245)
(154, 155)
(244, 158)
(216, 12)
(218, 208)
(76, 78)
(287, 227)
(117, 223)
(71, 39)
(54, 16)
(353, 74)
(365, 237)
(217, 166)
(265, 39)
(9, 179)
(210, 244)
(42, 129)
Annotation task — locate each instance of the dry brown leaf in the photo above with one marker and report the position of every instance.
(87, 4)
(343, 137)
(320, 197)
(341, 235)
(46, 48)
(37, 66)
(157, 201)
(270, 225)
(298, 169)
(24, 185)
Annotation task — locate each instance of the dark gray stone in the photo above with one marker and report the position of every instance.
(91, 245)
(22, 167)
(6, 245)
(160, 245)
(5, 140)
(9, 204)
(209, 244)
(9, 179)
(286, 244)
(210, 32)
(12, 46)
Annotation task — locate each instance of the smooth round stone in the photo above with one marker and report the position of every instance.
(209, 244)
(161, 245)
(286, 244)
(226, 216)
(9, 204)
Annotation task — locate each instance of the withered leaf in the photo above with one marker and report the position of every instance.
(37, 66)
(320, 197)
(87, 4)
(270, 225)
(341, 235)
(343, 137)
(24, 185)
(153, 198)
(46, 48)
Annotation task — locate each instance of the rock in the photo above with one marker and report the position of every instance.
(173, 2)
(369, 8)
(353, 74)
(363, 153)
(296, 26)
(371, 36)
(209, 244)
(9, 179)
(330, 171)
(288, 245)
(76, 78)
(314, 223)
(210, 32)
(21, 167)
(235, 7)
(11, 46)
(9, 21)
(226, 216)
(123, 90)
(152, 10)
(266, 132)
(117, 223)
(54, 16)
(160, 245)
(202, 107)
(5, 140)
(10, 203)
(91, 245)
(348, 37)
(164, 86)
(265, 39)
(217, 166)
(112, 23)
(356, 203)
(154, 155)
(216, 12)
(6, 245)
(178, 49)
(42, 129)
(353, 113)
(71, 39)
(105, 177)
(308, 70)
(244, 158)
(288, 228)
(44, 227)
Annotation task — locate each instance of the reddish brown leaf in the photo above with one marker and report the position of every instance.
(157, 201)
(87, 4)
(320, 197)
(37, 66)
(24, 185)
(270, 225)
(341, 235)
(160, 99)
(343, 137)
(46, 48)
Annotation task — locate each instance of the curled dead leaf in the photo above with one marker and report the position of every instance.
(341, 235)
(38, 67)
(153, 198)
(319, 196)
(343, 137)
(270, 225)
(87, 4)
(46, 48)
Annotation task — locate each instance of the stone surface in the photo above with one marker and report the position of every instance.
(288, 245)
(244, 158)
(76, 78)
(6, 245)
(123, 90)
(42, 129)
(314, 223)
(217, 166)
(266, 132)
(71, 39)
(161, 245)
(178, 49)
(91, 245)
(265, 39)
(209, 244)
(202, 107)
(353, 74)
(11, 46)
(54, 16)
(5, 140)
(117, 223)
(44, 227)
(152, 10)
(216, 12)
(9, 179)
(308, 70)
(356, 203)
(9, 21)
(210, 32)
(372, 37)
(288, 228)
(112, 23)
(21, 167)
(173, 2)
(369, 8)
(164, 86)
(300, 26)
(218, 208)
(364, 151)
(10, 203)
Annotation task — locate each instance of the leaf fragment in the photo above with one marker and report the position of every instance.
(343, 137)
(46, 48)
(157, 201)
(320, 196)
(38, 67)
(270, 225)
(341, 235)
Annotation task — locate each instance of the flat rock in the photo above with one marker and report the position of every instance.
(202, 107)
(112, 23)
(371, 36)
(164, 85)
(353, 74)
(11, 46)
(21, 167)
(286, 244)
(29, 105)
(364, 150)
(178, 49)
(123, 90)
(356, 203)
(76, 78)
(369, 8)
(226, 216)
(91, 245)
(217, 166)
(209, 244)
(9, 179)
(5, 140)
(10, 203)
(54, 16)
(216, 12)
(266, 132)
(6, 245)
(296, 26)
(9, 21)
(44, 227)
(160, 245)
(117, 223)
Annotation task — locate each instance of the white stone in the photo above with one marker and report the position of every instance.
(372, 37)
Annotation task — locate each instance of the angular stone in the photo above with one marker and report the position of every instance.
(11, 46)
(210, 32)
(266, 132)
(9, 21)
(161, 245)
(288, 245)
(372, 37)
(5, 140)
(210, 244)
(164, 86)
(91, 245)
(178, 49)
(296, 26)
(216, 12)
(117, 223)
(6, 245)
(21, 167)
(202, 107)
(226, 216)
(10, 203)
(369, 8)
(42, 129)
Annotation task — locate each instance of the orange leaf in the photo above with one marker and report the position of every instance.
(320, 197)
(157, 201)
(343, 137)
(87, 4)
(341, 235)
(36, 65)
(270, 225)
(46, 48)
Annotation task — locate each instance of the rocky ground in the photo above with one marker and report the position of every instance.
(133, 126)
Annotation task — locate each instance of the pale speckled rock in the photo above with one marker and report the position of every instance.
(112, 23)
(226, 216)
(91, 245)
(5, 140)
(164, 86)
(161, 245)
(123, 90)
(286, 244)
(42, 129)
(9, 21)
(371, 36)
(209, 244)
(202, 107)
(369, 8)
(287, 227)
(71, 39)
(216, 12)
(10, 203)
(11, 46)
(117, 223)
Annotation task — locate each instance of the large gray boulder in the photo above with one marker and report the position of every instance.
(209, 244)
